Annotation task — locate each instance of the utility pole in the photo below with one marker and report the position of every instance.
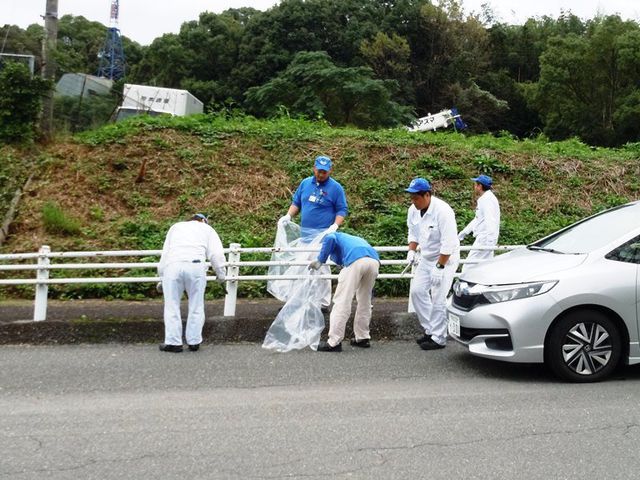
(49, 66)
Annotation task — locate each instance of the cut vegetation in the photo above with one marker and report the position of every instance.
(121, 187)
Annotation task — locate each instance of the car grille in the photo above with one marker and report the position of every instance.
(468, 302)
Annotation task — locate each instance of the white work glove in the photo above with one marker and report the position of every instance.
(315, 265)
(332, 228)
(461, 236)
(221, 278)
(159, 287)
(436, 276)
(411, 257)
(284, 220)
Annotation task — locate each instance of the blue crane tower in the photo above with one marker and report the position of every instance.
(112, 61)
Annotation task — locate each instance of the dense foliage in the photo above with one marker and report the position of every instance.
(20, 96)
(566, 76)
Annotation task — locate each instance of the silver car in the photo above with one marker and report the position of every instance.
(570, 300)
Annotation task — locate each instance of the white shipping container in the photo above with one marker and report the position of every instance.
(155, 100)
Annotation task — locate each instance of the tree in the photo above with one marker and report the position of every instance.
(389, 58)
(447, 48)
(588, 84)
(481, 110)
(313, 86)
(165, 63)
(20, 99)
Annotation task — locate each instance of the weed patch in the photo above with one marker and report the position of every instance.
(56, 221)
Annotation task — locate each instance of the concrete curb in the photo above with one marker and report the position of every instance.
(141, 322)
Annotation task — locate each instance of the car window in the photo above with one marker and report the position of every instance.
(629, 252)
(594, 232)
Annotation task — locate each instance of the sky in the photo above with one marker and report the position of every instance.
(144, 20)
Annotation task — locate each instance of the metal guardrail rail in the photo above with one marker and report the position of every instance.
(43, 266)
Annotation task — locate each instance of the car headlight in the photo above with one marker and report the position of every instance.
(505, 293)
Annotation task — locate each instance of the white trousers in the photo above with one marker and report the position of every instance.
(430, 302)
(355, 280)
(179, 277)
(478, 255)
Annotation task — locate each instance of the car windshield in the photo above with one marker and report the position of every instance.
(593, 233)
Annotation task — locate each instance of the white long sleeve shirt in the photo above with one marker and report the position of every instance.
(435, 231)
(191, 241)
(485, 226)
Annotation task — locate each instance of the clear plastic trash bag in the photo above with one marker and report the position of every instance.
(289, 236)
(300, 322)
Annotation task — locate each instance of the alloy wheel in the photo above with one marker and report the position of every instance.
(587, 348)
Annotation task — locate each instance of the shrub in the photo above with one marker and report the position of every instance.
(20, 96)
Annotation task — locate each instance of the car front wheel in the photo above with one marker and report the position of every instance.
(584, 346)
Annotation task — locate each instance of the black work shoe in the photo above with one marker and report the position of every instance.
(194, 348)
(364, 343)
(170, 348)
(325, 347)
(430, 345)
(423, 338)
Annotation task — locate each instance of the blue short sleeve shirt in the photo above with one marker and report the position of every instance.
(319, 203)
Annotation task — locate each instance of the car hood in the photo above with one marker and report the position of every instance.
(521, 265)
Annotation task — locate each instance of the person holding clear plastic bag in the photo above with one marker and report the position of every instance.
(322, 205)
(360, 264)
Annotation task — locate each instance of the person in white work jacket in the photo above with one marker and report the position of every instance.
(432, 226)
(187, 247)
(485, 226)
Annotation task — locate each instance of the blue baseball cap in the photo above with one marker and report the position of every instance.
(418, 185)
(484, 180)
(201, 216)
(323, 163)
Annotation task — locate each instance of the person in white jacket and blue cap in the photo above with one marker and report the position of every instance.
(360, 264)
(485, 226)
(187, 247)
(432, 226)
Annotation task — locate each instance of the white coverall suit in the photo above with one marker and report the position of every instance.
(436, 233)
(485, 227)
(187, 247)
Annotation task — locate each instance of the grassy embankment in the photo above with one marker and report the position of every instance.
(120, 187)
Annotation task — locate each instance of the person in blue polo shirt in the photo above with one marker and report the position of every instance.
(322, 204)
(361, 263)
(320, 200)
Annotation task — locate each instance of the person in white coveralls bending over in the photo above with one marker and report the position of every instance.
(432, 226)
(187, 247)
(485, 226)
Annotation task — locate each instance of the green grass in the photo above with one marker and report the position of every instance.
(56, 221)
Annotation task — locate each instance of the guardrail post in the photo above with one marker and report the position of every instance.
(230, 299)
(42, 289)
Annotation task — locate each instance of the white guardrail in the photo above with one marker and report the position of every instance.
(44, 256)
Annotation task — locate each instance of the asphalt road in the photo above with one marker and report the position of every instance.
(237, 412)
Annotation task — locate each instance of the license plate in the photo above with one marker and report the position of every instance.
(454, 325)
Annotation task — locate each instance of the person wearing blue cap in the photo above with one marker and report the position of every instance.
(432, 226)
(485, 226)
(182, 267)
(322, 204)
(320, 200)
(361, 264)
